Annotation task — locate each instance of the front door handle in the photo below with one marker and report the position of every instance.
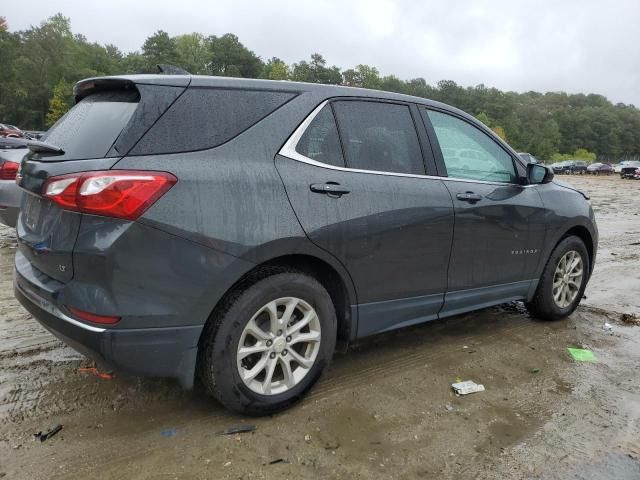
(470, 197)
(332, 189)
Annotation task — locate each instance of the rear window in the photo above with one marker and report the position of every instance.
(320, 142)
(379, 136)
(207, 117)
(92, 126)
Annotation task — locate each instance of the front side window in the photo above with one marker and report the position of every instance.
(379, 136)
(468, 152)
(320, 141)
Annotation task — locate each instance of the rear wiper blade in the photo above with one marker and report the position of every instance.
(34, 145)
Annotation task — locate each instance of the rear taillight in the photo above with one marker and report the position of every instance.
(9, 170)
(93, 317)
(113, 193)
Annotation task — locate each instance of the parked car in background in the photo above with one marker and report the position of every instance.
(576, 167)
(237, 229)
(617, 168)
(600, 169)
(10, 193)
(569, 166)
(10, 131)
(527, 157)
(34, 134)
(630, 169)
(558, 167)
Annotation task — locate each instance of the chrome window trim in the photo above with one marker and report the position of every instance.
(55, 311)
(289, 150)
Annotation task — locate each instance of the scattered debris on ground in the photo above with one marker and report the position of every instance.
(514, 307)
(582, 355)
(467, 387)
(630, 319)
(238, 429)
(96, 372)
(47, 435)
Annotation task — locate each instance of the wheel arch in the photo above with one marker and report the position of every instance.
(579, 230)
(331, 280)
(583, 234)
(339, 288)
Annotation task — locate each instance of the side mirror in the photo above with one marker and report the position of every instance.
(538, 174)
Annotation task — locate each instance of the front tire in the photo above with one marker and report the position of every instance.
(267, 346)
(563, 281)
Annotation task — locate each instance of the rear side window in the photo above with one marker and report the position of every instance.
(206, 117)
(379, 136)
(320, 141)
(92, 126)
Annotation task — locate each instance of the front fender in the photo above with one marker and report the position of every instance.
(566, 210)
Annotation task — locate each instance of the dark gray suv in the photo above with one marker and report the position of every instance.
(235, 230)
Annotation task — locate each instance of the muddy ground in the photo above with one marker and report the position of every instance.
(385, 408)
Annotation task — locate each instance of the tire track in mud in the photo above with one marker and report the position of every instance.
(346, 375)
(31, 350)
(595, 432)
(400, 363)
(342, 379)
(28, 352)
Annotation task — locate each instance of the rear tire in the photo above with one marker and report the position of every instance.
(263, 317)
(562, 285)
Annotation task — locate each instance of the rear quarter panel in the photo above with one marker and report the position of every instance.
(232, 199)
(229, 197)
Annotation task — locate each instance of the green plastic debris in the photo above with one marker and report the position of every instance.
(535, 370)
(582, 355)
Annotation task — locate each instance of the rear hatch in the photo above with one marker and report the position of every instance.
(110, 116)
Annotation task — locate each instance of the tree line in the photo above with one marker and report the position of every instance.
(41, 64)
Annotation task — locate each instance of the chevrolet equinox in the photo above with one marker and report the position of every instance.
(234, 230)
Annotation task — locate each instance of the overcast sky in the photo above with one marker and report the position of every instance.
(584, 46)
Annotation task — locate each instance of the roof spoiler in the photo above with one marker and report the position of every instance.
(129, 82)
(93, 85)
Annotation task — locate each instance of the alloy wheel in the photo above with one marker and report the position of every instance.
(279, 346)
(567, 279)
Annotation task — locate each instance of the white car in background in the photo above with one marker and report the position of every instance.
(618, 168)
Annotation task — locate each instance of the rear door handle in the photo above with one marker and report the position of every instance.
(470, 197)
(330, 188)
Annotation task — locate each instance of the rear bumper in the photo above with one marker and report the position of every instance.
(151, 352)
